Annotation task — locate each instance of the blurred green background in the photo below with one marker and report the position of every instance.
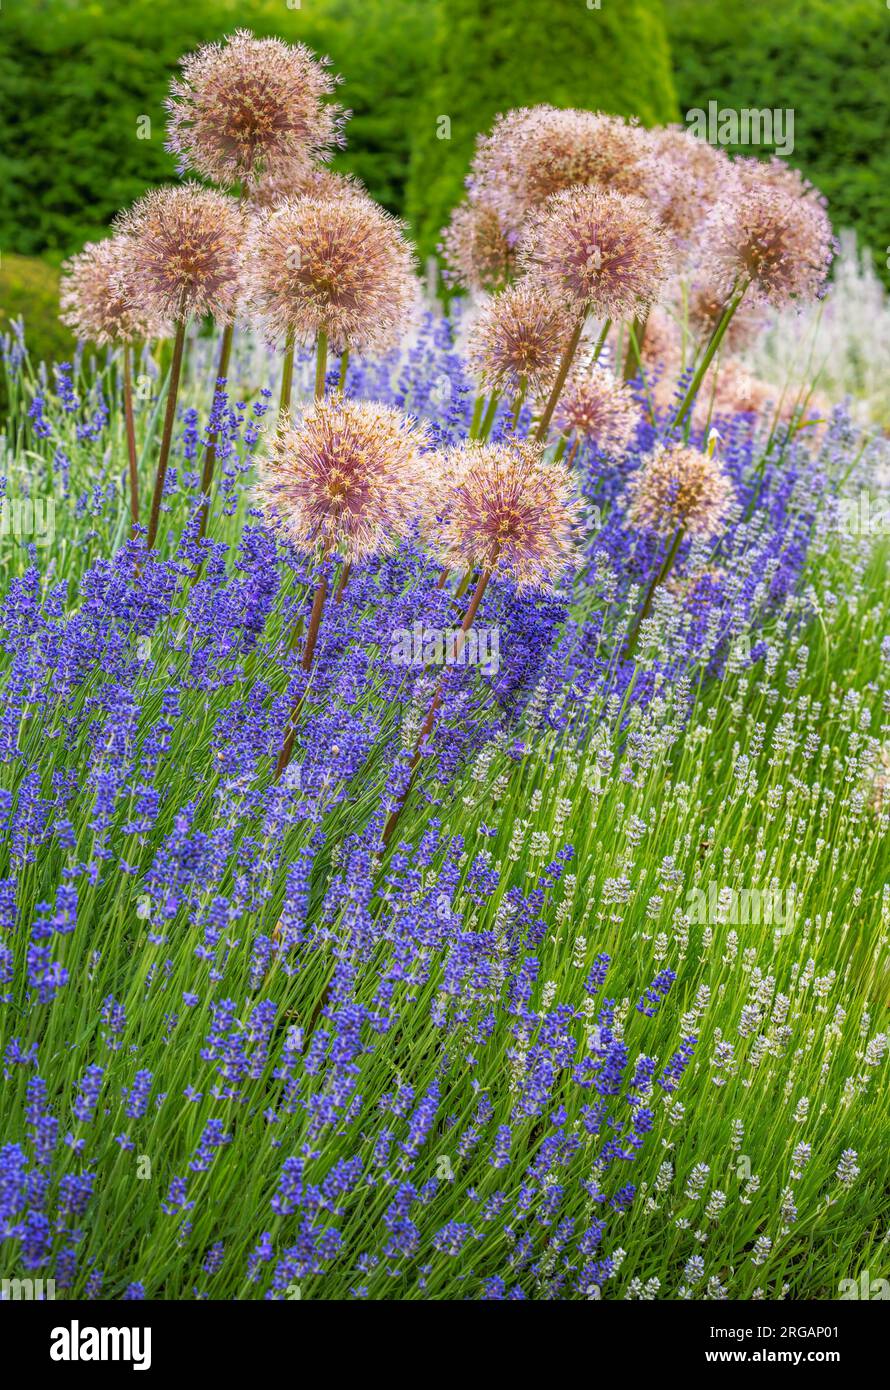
(78, 78)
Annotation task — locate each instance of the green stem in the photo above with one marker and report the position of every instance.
(222, 372)
(716, 339)
(131, 435)
(660, 577)
(633, 361)
(287, 384)
(167, 436)
(559, 383)
(321, 364)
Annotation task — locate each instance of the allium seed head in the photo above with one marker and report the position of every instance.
(340, 266)
(477, 251)
(504, 508)
(96, 295)
(597, 405)
(186, 245)
(350, 478)
(773, 231)
(243, 105)
(534, 152)
(598, 250)
(300, 177)
(679, 486)
(519, 336)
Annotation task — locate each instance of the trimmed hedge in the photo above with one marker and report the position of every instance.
(76, 78)
(829, 61)
(29, 289)
(490, 56)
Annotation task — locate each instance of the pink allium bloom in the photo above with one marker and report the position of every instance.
(349, 479)
(339, 266)
(682, 178)
(476, 249)
(601, 252)
(243, 105)
(96, 295)
(300, 177)
(186, 245)
(680, 486)
(597, 405)
(772, 231)
(534, 152)
(503, 508)
(519, 337)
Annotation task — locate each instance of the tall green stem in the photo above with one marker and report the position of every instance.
(559, 383)
(660, 577)
(716, 339)
(287, 384)
(131, 434)
(167, 436)
(321, 364)
(222, 372)
(633, 360)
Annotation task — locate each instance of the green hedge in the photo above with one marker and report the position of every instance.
(76, 78)
(490, 56)
(829, 61)
(29, 289)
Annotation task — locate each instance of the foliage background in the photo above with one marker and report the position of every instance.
(76, 76)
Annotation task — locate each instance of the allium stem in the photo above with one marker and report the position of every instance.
(222, 372)
(321, 364)
(167, 436)
(456, 647)
(344, 367)
(318, 603)
(601, 340)
(131, 435)
(518, 403)
(559, 383)
(345, 572)
(633, 361)
(660, 577)
(287, 383)
(716, 339)
(477, 415)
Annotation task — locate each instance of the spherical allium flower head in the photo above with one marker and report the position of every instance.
(534, 152)
(600, 251)
(95, 295)
(242, 105)
(679, 486)
(339, 266)
(779, 240)
(349, 479)
(519, 336)
(597, 405)
(682, 177)
(504, 509)
(299, 177)
(477, 252)
(186, 246)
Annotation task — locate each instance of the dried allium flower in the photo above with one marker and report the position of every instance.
(186, 246)
(778, 240)
(243, 105)
(300, 177)
(683, 177)
(336, 266)
(519, 337)
(679, 486)
(534, 152)
(598, 406)
(505, 509)
(349, 479)
(601, 251)
(477, 252)
(96, 298)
